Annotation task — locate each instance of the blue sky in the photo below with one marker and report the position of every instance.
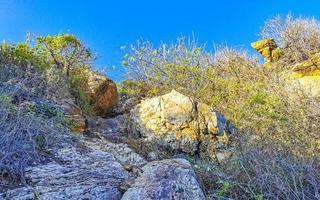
(106, 25)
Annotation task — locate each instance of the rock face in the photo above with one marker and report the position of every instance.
(94, 170)
(307, 73)
(103, 93)
(268, 49)
(114, 129)
(166, 180)
(172, 120)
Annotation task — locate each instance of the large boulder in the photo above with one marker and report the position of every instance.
(174, 121)
(166, 180)
(95, 169)
(102, 92)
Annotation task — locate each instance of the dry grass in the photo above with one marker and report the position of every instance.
(262, 169)
(23, 140)
(299, 38)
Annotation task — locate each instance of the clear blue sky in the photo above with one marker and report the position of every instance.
(106, 25)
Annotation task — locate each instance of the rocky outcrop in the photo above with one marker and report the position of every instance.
(94, 169)
(174, 121)
(102, 92)
(305, 74)
(166, 180)
(268, 49)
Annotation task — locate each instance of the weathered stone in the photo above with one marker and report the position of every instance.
(93, 170)
(152, 156)
(310, 67)
(268, 49)
(125, 104)
(307, 75)
(122, 153)
(166, 180)
(24, 193)
(169, 120)
(223, 155)
(114, 129)
(102, 92)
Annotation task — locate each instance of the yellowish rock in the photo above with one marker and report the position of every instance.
(171, 121)
(268, 49)
(307, 75)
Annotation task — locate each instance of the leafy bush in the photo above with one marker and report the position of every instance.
(156, 70)
(21, 54)
(62, 60)
(64, 51)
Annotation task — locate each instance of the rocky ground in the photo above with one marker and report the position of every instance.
(99, 169)
(101, 165)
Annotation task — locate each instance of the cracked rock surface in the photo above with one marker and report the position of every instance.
(92, 171)
(166, 180)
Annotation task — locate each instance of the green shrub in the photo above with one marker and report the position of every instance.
(23, 55)
(62, 59)
(64, 51)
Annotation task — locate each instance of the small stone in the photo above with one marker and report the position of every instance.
(152, 156)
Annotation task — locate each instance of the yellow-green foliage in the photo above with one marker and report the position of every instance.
(64, 51)
(137, 89)
(22, 54)
(62, 59)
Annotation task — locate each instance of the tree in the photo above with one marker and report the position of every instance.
(65, 51)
